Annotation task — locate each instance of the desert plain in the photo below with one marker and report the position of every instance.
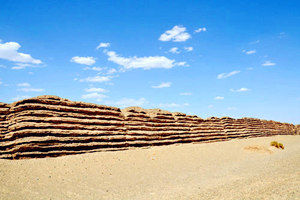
(237, 169)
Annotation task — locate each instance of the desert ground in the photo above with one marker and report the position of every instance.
(237, 169)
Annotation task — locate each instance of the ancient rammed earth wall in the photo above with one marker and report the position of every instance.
(52, 126)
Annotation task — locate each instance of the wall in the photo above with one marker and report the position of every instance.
(51, 126)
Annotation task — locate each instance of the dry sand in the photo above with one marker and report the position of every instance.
(236, 169)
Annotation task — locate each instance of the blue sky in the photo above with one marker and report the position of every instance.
(208, 58)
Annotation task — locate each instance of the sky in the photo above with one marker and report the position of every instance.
(205, 58)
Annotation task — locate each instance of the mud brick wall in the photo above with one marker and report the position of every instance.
(49, 126)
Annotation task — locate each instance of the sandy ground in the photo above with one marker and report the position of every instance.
(236, 169)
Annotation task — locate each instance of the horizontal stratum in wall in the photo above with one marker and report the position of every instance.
(49, 126)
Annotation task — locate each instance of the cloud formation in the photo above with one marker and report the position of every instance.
(174, 50)
(28, 89)
(83, 60)
(268, 63)
(185, 94)
(200, 30)
(9, 51)
(249, 52)
(240, 90)
(172, 105)
(127, 102)
(226, 75)
(176, 34)
(17, 98)
(103, 45)
(94, 95)
(21, 66)
(111, 71)
(93, 68)
(189, 48)
(219, 98)
(23, 85)
(231, 108)
(95, 90)
(96, 79)
(163, 85)
(181, 64)
(149, 62)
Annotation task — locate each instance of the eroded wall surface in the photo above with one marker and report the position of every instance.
(51, 126)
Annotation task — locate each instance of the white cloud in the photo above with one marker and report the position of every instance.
(200, 30)
(97, 79)
(189, 48)
(176, 34)
(226, 75)
(249, 52)
(150, 62)
(185, 94)
(268, 63)
(219, 98)
(1, 82)
(83, 60)
(9, 51)
(95, 90)
(112, 71)
(172, 105)
(2, 66)
(21, 66)
(94, 95)
(103, 45)
(26, 89)
(181, 64)
(210, 106)
(240, 90)
(127, 102)
(17, 98)
(231, 108)
(163, 85)
(93, 68)
(250, 68)
(174, 50)
(23, 85)
(104, 70)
